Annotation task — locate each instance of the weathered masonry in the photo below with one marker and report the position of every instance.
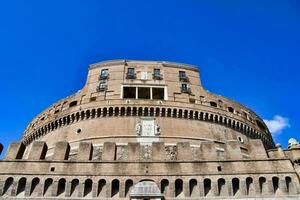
(148, 130)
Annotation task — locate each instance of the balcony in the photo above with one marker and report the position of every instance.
(157, 76)
(130, 76)
(103, 76)
(186, 90)
(101, 88)
(183, 78)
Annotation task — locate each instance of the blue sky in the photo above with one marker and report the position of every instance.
(246, 50)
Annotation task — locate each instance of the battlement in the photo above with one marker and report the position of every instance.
(69, 174)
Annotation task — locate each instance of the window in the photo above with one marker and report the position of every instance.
(158, 93)
(73, 103)
(102, 86)
(213, 104)
(156, 74)
(131, 73)
(129, 92)
(182, 76)
(143, 93)
(230, 109)
(104, 74)
(184, 88)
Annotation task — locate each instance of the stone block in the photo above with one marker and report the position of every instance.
(184, 151)
(15, 151)
(233, 150)
(134, 149)
(208, 151)
(257, 149)
(38, 151)
(158, 151)
(85, 151)
(109, 151)
(61, 151)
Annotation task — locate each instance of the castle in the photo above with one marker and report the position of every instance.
(146, 130)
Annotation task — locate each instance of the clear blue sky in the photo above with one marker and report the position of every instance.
(246, 50)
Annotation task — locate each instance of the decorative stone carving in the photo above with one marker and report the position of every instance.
(293, 143)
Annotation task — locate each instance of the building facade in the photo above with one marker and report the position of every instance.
(148, 130)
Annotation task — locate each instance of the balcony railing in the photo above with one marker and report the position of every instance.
(131, 76)
(157, 76)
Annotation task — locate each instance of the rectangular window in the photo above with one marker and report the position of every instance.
(156, 74)
(158, 93)
(102, 86)
(182, 74)
(131, 73)
(143, 93)
(129, 92)
(184, 87)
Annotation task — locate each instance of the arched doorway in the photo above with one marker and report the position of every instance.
(145, 190)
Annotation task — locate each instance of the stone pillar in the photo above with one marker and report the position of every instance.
(61, 151)
(243, 188)
(134, 149)
(186, 188)
(233, 150)
(208, 151)
(54, 189)
(171, 189)
(184, 151)
(80, 187)
(38, 150)
(257, 149)
(158, 151)
(68, 188)
(108, 190)
(269, 188)
(282, 187)
(122, 189)
(214, 188)
(201, 188)
(15, 151)
(95, 190)
(85, 151)
(109, 151)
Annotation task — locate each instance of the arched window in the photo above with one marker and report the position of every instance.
(47, 187)
(193, 187)
(117, 111)
(115, 188)
(88, 186)
(288, 182)
(8, 185)
(221, 186)
(140, 111)
(128, 187)
(104, 112)
(230, 109)
(169, 113)
(275, 182)
(74, 188)
(122, 111)
(235, 186)
(178, 188)
(128, 111)
(157, 112)
(213, 104)
(164, 185)
(207, 186)
(21, 187)
(262, 184)
(134, 111)
(34, 185)
(73, 103)
(146, 111)
(101, 188)
(163, 112)
(180, 113)
(61, 188)
(249, 186)
(111, 111)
